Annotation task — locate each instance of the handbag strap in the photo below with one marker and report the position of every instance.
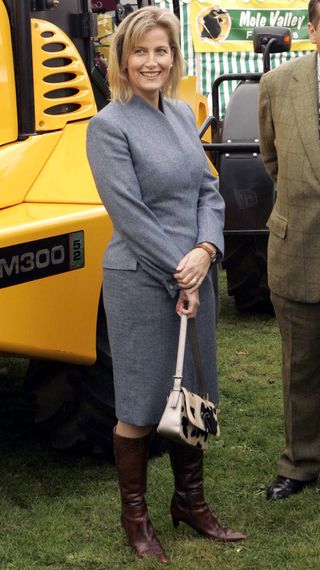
(195, 351)
(181, 345)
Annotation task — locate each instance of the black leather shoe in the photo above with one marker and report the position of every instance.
(283, 487)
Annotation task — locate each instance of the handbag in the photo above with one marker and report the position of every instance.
(189, 418)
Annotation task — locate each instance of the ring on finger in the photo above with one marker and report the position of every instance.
(193, 281)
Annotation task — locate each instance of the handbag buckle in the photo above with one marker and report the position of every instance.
(209, 420)
(177, 381)
(175, 392)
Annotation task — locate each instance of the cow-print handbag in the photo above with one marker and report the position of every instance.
(189, 418)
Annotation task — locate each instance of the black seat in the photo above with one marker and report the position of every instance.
(244, 183)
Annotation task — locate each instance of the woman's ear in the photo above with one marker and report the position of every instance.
(311, 32)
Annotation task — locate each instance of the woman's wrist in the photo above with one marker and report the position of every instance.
(209, 248)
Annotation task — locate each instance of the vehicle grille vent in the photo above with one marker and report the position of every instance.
(62, 87)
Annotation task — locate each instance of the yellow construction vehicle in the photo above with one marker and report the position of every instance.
(53, 227)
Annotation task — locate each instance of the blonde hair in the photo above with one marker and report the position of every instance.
(125, 39)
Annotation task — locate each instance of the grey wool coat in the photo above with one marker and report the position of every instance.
(154, 180)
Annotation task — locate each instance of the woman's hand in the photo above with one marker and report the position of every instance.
(188, 303)
(192, 269)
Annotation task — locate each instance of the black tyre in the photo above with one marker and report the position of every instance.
(74, 405)
(246, 267)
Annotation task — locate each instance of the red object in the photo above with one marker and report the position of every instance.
(100, 5)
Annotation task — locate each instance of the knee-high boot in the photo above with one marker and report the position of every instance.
(131, 458)
(188, 504)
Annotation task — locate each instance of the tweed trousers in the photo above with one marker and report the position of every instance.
(299, 325)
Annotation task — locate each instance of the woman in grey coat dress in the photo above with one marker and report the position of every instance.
(154, 180)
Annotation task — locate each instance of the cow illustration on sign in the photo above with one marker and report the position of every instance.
(214, 23)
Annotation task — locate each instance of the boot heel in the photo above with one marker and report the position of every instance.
(175, 522)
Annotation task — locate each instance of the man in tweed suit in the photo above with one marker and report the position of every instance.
(289, 138)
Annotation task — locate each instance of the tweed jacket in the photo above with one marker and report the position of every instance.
(290, 147)
(154, 180)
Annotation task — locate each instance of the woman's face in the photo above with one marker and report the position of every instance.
(149, 64)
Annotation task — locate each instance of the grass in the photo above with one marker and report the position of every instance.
(61, 513)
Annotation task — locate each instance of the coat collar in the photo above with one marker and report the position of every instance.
(142, 103)
(305, 98)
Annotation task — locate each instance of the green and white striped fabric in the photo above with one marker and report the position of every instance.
(208, 66)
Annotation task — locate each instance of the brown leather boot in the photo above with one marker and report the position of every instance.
(131, 458)
(188, 504)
